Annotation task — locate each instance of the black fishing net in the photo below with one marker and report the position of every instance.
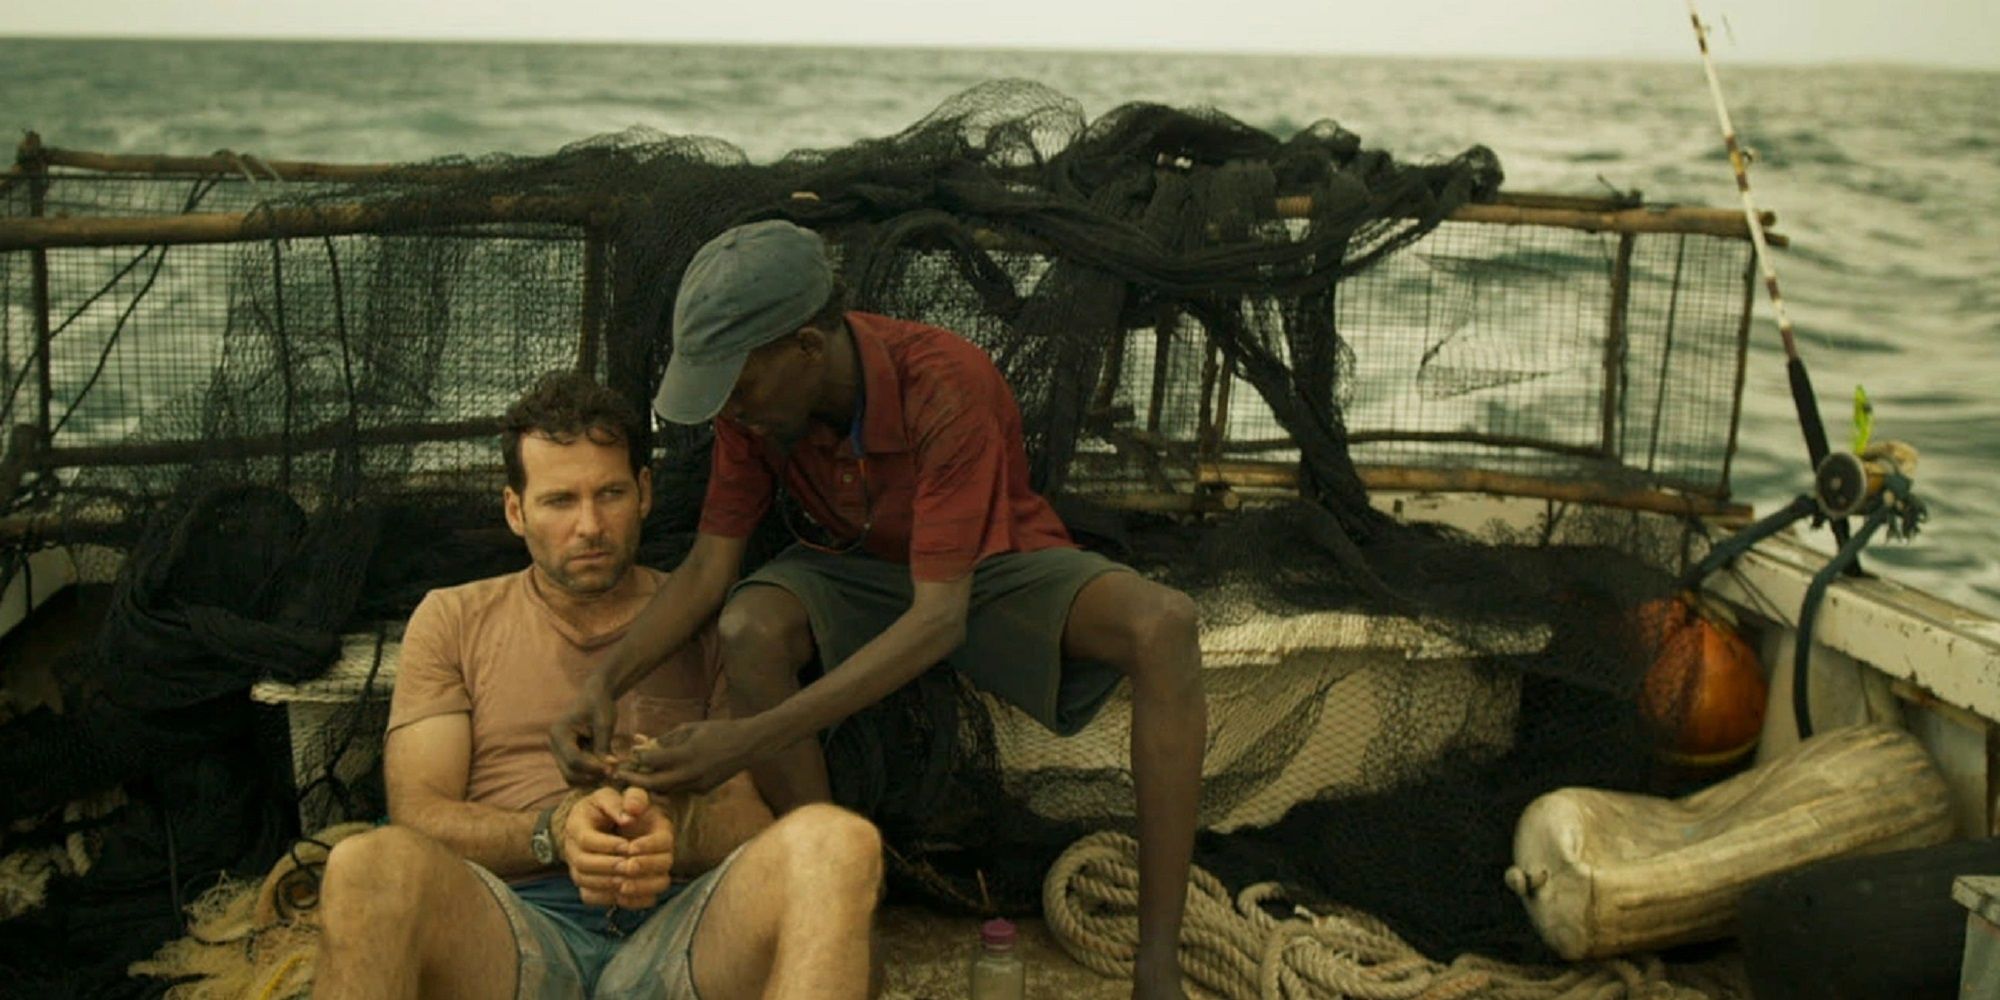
(1218, 339)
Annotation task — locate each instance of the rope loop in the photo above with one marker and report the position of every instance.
(1235, 948)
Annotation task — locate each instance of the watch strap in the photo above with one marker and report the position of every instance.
(544, 837)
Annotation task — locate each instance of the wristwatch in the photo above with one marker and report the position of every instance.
(543, 842)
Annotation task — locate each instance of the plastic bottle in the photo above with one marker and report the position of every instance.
(997, 972)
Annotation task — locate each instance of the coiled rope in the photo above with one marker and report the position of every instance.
(1237, 950)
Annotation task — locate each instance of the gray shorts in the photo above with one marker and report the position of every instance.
(565, 955)
(1013, 630)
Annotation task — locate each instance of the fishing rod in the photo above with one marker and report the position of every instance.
(1872, 482)
(1795, 367)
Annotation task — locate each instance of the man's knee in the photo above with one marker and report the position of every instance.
(1166, 633)
(374, 876)
(827, 842)
(763, 634)
(767, 621)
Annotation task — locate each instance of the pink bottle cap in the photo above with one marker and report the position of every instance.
(997, 933)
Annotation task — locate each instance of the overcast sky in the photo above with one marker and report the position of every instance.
(1948, 32)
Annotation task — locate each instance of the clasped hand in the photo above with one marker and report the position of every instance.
(619, 848)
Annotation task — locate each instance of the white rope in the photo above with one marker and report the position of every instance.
(1235, 949)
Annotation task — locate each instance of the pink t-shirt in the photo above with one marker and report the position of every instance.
(495, 649)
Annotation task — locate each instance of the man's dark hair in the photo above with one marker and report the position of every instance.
(566, 405)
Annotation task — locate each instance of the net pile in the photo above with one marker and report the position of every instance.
(1168, 291)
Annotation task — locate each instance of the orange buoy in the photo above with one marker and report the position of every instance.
(1704, 692)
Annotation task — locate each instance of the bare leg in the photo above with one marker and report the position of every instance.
(793, 914)
(766, 639)
(402, 916)
(1149, 632)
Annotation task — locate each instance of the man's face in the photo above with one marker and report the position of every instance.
(579, 511)
(780, 383)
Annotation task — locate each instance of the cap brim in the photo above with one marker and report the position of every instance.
(692, 392)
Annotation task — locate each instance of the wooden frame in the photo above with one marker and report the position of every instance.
(1217, 478)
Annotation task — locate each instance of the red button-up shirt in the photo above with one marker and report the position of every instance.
(945, 470)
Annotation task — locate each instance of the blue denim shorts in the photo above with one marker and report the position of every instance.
(569, 949)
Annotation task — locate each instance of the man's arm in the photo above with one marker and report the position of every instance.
(702, 755)
(691, 596)
(426, 766)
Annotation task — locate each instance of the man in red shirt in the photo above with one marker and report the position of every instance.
(894, 453)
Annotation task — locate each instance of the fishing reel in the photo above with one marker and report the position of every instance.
(1872, 482)
(1875, 479)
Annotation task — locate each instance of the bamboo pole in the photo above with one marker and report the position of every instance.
(1592, 213)
(1114, 372)
(594, 262)
(44, 341)
(1510, 484)
(1667, 356)
(31, 160)
(1590, 451)
(1204, 422)
(1220, 501)
(339, 219)
(316, 439)
(1219, 434)
(1163, 344)
(1742, 366)
(235, 164)
(1699, 221)
(283, 340)
(276, 223)
(1615, 343)
(1580, 213)
(1285, 476)
(1581, 202)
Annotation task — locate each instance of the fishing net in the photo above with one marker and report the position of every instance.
(1218, 339)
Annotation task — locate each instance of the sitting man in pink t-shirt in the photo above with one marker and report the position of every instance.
(497, 879)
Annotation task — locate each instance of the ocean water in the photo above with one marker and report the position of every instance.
(1887, 178)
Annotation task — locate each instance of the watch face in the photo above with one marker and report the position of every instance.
(545, 851)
